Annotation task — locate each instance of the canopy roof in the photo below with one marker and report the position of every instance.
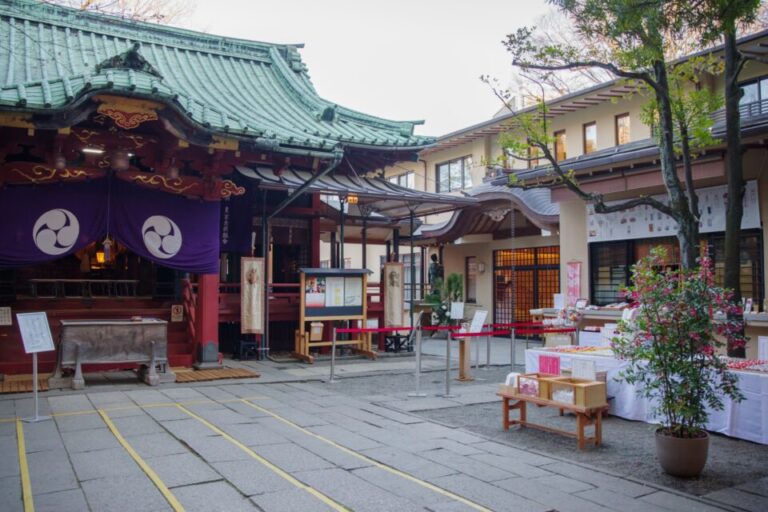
(533, 210)
(373, 194)
(54, 58)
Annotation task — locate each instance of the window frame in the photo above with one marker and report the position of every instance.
(401, 179)
(616, 127)
(584, 128)
(466, 173)
(531, 163)
(557, 143)
(468, 299)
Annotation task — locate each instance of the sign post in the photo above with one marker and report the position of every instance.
(36, 335)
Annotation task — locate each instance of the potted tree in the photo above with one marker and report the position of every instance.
(671, 347)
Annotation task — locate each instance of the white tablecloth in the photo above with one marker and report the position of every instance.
(747, 419)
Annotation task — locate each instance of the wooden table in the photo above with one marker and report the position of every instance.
(585, 416)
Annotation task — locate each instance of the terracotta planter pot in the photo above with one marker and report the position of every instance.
(680, 456)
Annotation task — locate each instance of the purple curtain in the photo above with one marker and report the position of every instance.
(47, 222)
(170, 230)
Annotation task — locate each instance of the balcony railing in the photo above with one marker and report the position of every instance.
(747, 111)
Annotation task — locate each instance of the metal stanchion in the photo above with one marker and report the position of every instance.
(448, 367)
(37, 416)
(488, 352)
(512, 343)
(418, 392)
(477, 352)
(333, 358)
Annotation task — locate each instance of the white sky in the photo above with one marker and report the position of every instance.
(398, 59)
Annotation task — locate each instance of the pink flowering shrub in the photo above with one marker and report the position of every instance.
(671, 343)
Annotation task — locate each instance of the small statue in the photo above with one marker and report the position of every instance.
(435, 274)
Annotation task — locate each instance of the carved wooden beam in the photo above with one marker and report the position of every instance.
(32, 173)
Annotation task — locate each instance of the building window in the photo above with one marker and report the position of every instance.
(590, 137)
(622, 129)
(610, 264)
(407, 180)
(454, 175)
(325, 263)
(534, 156)
(524, 279)
(754, 97)
(347, 262)
(405, 259)
(560, 141)
(470, 271)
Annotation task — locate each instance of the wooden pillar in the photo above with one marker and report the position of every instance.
(207, 328)
(396, 245)
(334, 248)
(315, 236)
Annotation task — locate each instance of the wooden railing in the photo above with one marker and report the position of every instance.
(190, 306)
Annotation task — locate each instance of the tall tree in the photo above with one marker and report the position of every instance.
(637, 36)
(157, 11)
(720, 21)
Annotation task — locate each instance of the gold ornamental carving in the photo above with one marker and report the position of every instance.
(230, 188)
(175, 185)
(32, 173)
(128, 120)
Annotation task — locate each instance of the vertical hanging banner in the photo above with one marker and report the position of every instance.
(252, 295)
(394, 298)
(572, 282)
(47, 222)
(168, 229)
(237, 223)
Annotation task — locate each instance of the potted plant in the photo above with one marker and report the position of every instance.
(671, 347)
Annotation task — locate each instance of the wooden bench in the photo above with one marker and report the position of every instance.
(585, 416)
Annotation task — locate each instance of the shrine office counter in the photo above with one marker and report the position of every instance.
(757, 323)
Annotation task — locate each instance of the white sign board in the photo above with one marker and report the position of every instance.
(457, 310)
(478, 321)
(35, 332)
(646, 222)
(583, 369)
(762, 347)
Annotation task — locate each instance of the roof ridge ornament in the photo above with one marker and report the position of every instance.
(129, 59)
(328, 114)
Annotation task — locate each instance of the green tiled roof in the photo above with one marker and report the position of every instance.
(51, 57)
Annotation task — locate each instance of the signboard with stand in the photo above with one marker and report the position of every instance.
(36, 336)
(331, 294)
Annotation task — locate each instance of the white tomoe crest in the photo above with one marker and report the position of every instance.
(56, 231)
(162, 236)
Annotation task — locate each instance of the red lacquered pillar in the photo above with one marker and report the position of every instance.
(207, 341)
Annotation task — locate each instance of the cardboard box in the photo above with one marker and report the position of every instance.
(582, 393)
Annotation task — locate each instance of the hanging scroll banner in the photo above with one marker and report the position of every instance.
(252, 295)
(394, 297)
(573, 282)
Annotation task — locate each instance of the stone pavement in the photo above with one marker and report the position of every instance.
(284, 447)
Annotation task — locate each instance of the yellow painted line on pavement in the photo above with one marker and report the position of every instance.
(167, 494)
(280, 472)
(375, 463)
(26, 485)
(144, 406)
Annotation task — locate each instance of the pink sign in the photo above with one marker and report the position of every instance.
(573, 282)
(549, 365)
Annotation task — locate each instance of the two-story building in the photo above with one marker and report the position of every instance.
(534, 235)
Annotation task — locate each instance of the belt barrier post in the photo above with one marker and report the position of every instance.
(512, 350)
(477, 352)
(333, 358)
(488, 352)
(418, 392)
(448, 366)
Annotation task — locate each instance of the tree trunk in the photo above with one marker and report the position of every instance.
(734, 172)
(688, 232)
(733, 168)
